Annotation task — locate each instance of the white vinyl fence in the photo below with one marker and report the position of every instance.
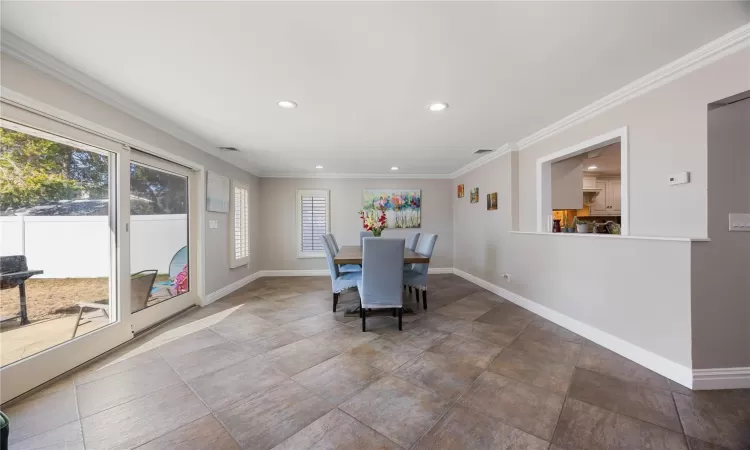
(79, 246)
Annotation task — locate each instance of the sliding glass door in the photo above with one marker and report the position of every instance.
(97, 242)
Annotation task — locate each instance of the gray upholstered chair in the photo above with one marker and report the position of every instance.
(340, 282)
(364, 234)
(343, 268)
(416, 277)
(411, 244)
(382, 276)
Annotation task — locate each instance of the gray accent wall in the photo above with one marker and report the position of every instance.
(721, 267)
(636, 290)
(28, 81)
(278, 221)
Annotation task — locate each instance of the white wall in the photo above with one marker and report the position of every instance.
(78, 247)
(27, 81)
(636, 290)
(278, 221)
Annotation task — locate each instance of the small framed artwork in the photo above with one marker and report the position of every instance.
(460, 191)
(217, 193)
(474, 195)
(492, 201)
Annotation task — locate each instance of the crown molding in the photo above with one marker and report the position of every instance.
(27, 53)
(727, 44)
(400, 176)
(505, 148)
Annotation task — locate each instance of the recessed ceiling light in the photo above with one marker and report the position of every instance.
(318, 167)
(394, 168)
(437, 107)
(287, 104)
(593, 167)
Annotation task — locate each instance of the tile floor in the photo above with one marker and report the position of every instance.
(272, 367)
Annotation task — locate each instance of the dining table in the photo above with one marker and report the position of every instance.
(353, 255)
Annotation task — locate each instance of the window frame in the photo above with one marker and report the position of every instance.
(234, 261)
(298, 229)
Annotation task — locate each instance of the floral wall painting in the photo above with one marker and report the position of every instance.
(402, 207)
(460, 191)
(474, 195)
(492, 201)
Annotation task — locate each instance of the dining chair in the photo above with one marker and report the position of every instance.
(343, 268)
(340, 282)
(411, 244)
(364, 234)
(416, 277)
(382, 277)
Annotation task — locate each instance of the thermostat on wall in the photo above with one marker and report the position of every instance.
(679, 178)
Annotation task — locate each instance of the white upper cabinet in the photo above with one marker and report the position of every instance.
(608, 202)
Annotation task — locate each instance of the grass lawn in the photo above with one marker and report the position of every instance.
(48, 298)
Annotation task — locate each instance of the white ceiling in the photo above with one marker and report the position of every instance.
(364, 73)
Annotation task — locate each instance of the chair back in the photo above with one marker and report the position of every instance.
(13, 264)
(382, 273)
(411, 242)
(179, 260)
(140, 288)
(425, 247)
(362, 235)
(334, 244)
(329, 257)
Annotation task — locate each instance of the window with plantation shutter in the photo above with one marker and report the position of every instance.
(312, 221)
(240, 234)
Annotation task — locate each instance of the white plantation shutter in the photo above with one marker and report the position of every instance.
(312, 219)
(240, 232)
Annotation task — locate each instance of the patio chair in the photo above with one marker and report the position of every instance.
(178, 262)
(140, 291)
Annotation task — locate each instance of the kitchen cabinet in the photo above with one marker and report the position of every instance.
(566, 184)
(609, 200)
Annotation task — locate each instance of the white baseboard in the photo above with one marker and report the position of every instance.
(659, 364)
(226, 290)
(729, 378)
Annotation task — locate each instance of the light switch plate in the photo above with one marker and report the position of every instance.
(739, 222)
(213, 224)
(679, 178)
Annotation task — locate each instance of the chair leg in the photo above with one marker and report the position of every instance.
(394, 312)
(335, 301)
(363, 314)
(424, 299)
(400, 312)
(75, 329)
(416, 293)
(410, 289)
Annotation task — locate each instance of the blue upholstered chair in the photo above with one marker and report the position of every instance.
(343, 268)
(416, 277)
(411, 244)
(382, 276)
(364, 234)
(340, 282)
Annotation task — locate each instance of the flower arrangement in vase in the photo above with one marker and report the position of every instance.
(370, 224)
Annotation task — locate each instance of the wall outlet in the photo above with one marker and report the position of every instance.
(679, 178)
(506, 277)
(739, 222)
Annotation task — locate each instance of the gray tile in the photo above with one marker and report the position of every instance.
(343, 338)
(298, 356)
(66, 437)
(440, 322)
(541, 326)
(633, 400)
(520, 405)
(194, 341)
(41, 413)
(243, 327)
(384, 354)
(123, 387)
(547, 346)
(226, 386)
(141, 420)
(399, 410)
(447, 376)
(467, 350)
(468, 308)
(599, 359)
(338, 378)
(697, 444)
(462, 428)
(587, 427)
(501, 335)
(542, 373)
(267, 418)
(415, 335)
(205, 433)
(207, 360)
(677, 387)
(507, 314)
(337, 430)
(311, 325)
(716, 417)
(117, 362)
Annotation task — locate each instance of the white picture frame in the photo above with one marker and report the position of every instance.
(217, 193)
